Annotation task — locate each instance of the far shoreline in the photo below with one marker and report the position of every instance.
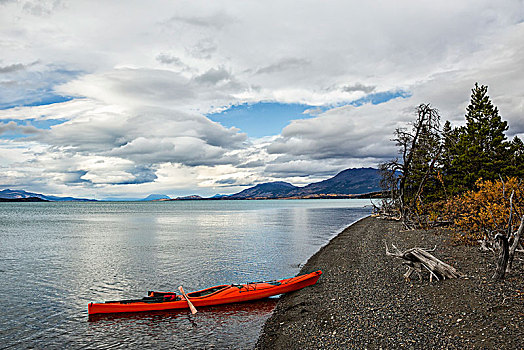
(37, 199)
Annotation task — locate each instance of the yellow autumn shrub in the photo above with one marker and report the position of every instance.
(484, 212)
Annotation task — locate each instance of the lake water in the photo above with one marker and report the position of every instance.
(56, 257)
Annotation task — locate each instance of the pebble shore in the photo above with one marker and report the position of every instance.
(362, 301)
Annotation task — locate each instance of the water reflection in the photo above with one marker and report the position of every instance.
(214, 326)
(57, 257)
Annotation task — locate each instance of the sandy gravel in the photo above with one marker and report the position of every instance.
(363, 301)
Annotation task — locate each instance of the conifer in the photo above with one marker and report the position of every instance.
(482, 150)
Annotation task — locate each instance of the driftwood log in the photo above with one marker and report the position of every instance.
(418, 258)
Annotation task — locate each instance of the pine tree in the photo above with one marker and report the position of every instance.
(482, 150)
(450, 139)
(517, 158)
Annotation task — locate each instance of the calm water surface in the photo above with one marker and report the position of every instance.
(56, 257)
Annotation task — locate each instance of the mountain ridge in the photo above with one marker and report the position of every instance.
(347, 183)
(21, 194)
(352, 181)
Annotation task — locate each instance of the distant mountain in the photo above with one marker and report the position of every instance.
(156, 197)
(347, 182)
(266, 190)
(29, 199)
(191, 197)
(219, 196)
(18, 194)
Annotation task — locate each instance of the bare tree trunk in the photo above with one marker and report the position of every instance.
(502, 260)
(515, 244)
(424, 112)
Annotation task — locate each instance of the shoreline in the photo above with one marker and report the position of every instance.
(363, 301)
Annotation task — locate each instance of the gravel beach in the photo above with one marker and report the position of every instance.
(363, 301)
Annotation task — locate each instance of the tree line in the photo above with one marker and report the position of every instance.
(469, 177)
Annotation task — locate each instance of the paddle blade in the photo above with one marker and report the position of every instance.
(191, 306)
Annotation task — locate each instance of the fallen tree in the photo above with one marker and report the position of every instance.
(416, 258)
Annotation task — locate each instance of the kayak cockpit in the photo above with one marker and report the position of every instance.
(207, 292)
(149, 299)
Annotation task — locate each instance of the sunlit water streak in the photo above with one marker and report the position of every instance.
(57, 257)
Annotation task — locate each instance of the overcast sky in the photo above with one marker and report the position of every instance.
(126, 98)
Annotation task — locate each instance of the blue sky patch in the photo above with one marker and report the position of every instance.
(41, 99)
(381, 97)
(262, 118)
(269, 118)
(28, 88)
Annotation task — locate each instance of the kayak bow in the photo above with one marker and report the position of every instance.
(224, 294)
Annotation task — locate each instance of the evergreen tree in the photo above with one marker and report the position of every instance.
(450, 139)
(517, 158)
(482, 150)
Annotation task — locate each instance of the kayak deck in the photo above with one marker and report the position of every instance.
(223, 294)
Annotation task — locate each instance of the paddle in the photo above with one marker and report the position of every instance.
(191, 306)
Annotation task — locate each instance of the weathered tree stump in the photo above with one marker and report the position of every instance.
(419, 257)
(502, 260)
(516, 242)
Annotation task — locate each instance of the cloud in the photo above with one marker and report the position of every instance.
(284, 167)
(126, 176)
(14, 127)
(12, 68)
(32, 84)
(100, 146)
(203, 49)
(127, 108)
(152, 135)
(91, 170)
(252, 164)
(358, 87)
(344, 132)
(136, 87)
(227, 181)
(166, 58)
(214, 76)
(41, 7)
(283, 65)
(214, 21)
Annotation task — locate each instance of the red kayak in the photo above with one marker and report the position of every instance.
(225, 294)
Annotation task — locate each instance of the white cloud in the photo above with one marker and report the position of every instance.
(142, 76)
(344, 132)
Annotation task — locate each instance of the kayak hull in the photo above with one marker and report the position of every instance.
(219, 295)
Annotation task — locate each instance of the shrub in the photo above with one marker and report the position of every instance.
(482, 213)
